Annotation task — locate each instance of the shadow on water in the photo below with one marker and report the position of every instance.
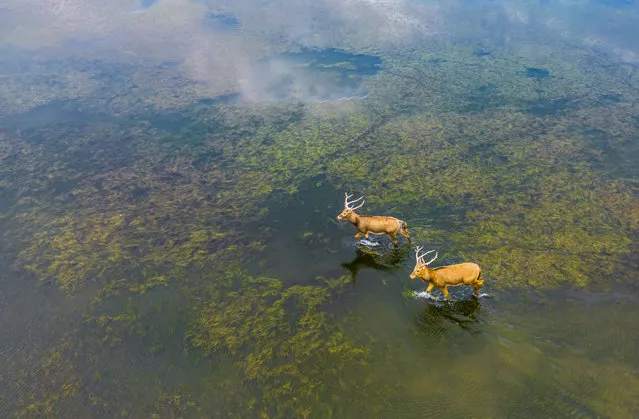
(436, 317)
(384, 261)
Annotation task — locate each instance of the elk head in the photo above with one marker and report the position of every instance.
(348, 209)
(420, 265)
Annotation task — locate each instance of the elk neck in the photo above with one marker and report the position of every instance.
(426, 272)
(353, 218)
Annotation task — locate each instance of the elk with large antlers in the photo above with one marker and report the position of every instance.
(373, 224)
(444, 276)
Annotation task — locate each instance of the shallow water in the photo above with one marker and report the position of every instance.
(166, 254)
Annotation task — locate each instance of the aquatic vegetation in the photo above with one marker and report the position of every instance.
(578, 230)
(58, 369)
(499, 158)
(470, 164)
(551, 217)
(286, 343)
(108, 230)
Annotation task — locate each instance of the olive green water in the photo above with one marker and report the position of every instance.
(171, 257)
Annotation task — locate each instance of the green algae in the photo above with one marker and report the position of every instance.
(530, 213)
(567, 236)
(287, 344)
(290, 349)
(58, 369)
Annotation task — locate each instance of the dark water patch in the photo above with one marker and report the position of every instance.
(481, 53)
(221, 22)
(610, 98)
(435, 61)
(547, 107)
(52, 114)
(537, 73)
(619, 159)
(183, 122)
(184, 127)
(138, 192)
(229, 99)
(306, 232)
(332, 59)
(483, 98)
(305, 225)
(316, 75)
(205, 158)
(172, 123)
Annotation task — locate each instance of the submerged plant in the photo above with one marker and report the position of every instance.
(287, 343)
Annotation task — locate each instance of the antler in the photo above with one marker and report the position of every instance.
(432, 260)
(420, 258)
(347, 204)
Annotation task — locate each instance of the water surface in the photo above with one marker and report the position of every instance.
(169, 245)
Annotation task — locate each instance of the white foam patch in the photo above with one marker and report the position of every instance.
(429, 296)
(368, 243)
(425, 295)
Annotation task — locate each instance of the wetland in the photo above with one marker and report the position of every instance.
(171, 174)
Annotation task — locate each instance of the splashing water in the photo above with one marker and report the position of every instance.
(368, 243)
(429, 296)
(426, 295)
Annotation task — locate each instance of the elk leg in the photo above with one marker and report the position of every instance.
(430, 287)
(445, 291)
(404, 233)
(393, 238)
(358, 235)
(478, 285)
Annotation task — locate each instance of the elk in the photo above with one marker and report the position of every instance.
(372, 224)
(444, 276)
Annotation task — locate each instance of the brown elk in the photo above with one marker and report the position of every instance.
(373, 224)
(444, 276)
